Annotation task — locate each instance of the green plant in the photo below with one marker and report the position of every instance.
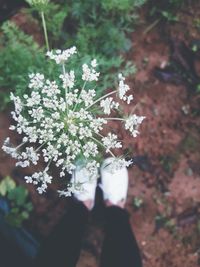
(197, 23)
(198, 88)
(168, 162)
(138, 202)
(20, 206)
(169, 224)
(19, 47)
(165, 9)
(99, 29)
(55, 15)
(19, 55)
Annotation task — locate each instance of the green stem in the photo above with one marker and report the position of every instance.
(115, 119)
(40, 146)
(99, 99)
(66, 90)
(47, 167)
(74, 109)
(20, 145)
(149, 28)
(101, 144)
(45, 30)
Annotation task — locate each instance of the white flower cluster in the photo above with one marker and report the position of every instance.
(68, 79)
(108, 104)
(123, 89)
(110, 142)
(89, 73)
(60, 56)
(117, 164)
(41, 179)
(25, 158)
(132, 123)
(60, 123)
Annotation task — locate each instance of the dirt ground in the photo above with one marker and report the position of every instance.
(166, 178)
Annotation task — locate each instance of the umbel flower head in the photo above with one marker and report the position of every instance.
(40, 5)
(61, 122)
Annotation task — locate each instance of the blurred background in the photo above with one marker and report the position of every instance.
(156, 44)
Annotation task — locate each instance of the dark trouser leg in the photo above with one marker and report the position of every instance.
(62, 247)
(120, 248)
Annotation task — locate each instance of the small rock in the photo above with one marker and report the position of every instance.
(189, 172)
(143, 243)
(185, 109)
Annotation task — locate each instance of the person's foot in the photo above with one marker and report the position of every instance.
(86, 186)
(114, 184)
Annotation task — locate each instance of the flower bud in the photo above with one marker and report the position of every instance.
(40, 5)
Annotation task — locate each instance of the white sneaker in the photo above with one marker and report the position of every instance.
(85, 185)
(114, 184)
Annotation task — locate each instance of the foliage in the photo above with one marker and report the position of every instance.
(19, 47)
(101, 27)
(138, 202)
(19, 55)
(20, 206)
(197, 23)
(55, 14)
(162, 221)
(6, 185)
(165, 9)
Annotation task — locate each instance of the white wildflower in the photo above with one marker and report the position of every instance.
(117, 164)
(30, 155)
(64, 193)
(50, 88)
(88, 97)
(17, 102)
(28, 179)
(34, 99)
(60, 56)
(68, 79)
(94, 63)
(129, 98)
(73, 129)
(123, 89)
(90, 149)
(71, 98)
(61, 123)
(97, 124)
(36, 81)
(90, 74)
(23, 164)
(12, 151)
(110, 142)
(41, 179)
(132, 123)
(108, 104)
(92, 168)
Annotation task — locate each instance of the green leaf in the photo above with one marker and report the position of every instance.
(14, 220)
(25, 215)
(28, 206)
(14, 210)
(18, 195)
(6, 185)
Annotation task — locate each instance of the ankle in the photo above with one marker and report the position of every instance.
(120, 204)
(88, 204)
